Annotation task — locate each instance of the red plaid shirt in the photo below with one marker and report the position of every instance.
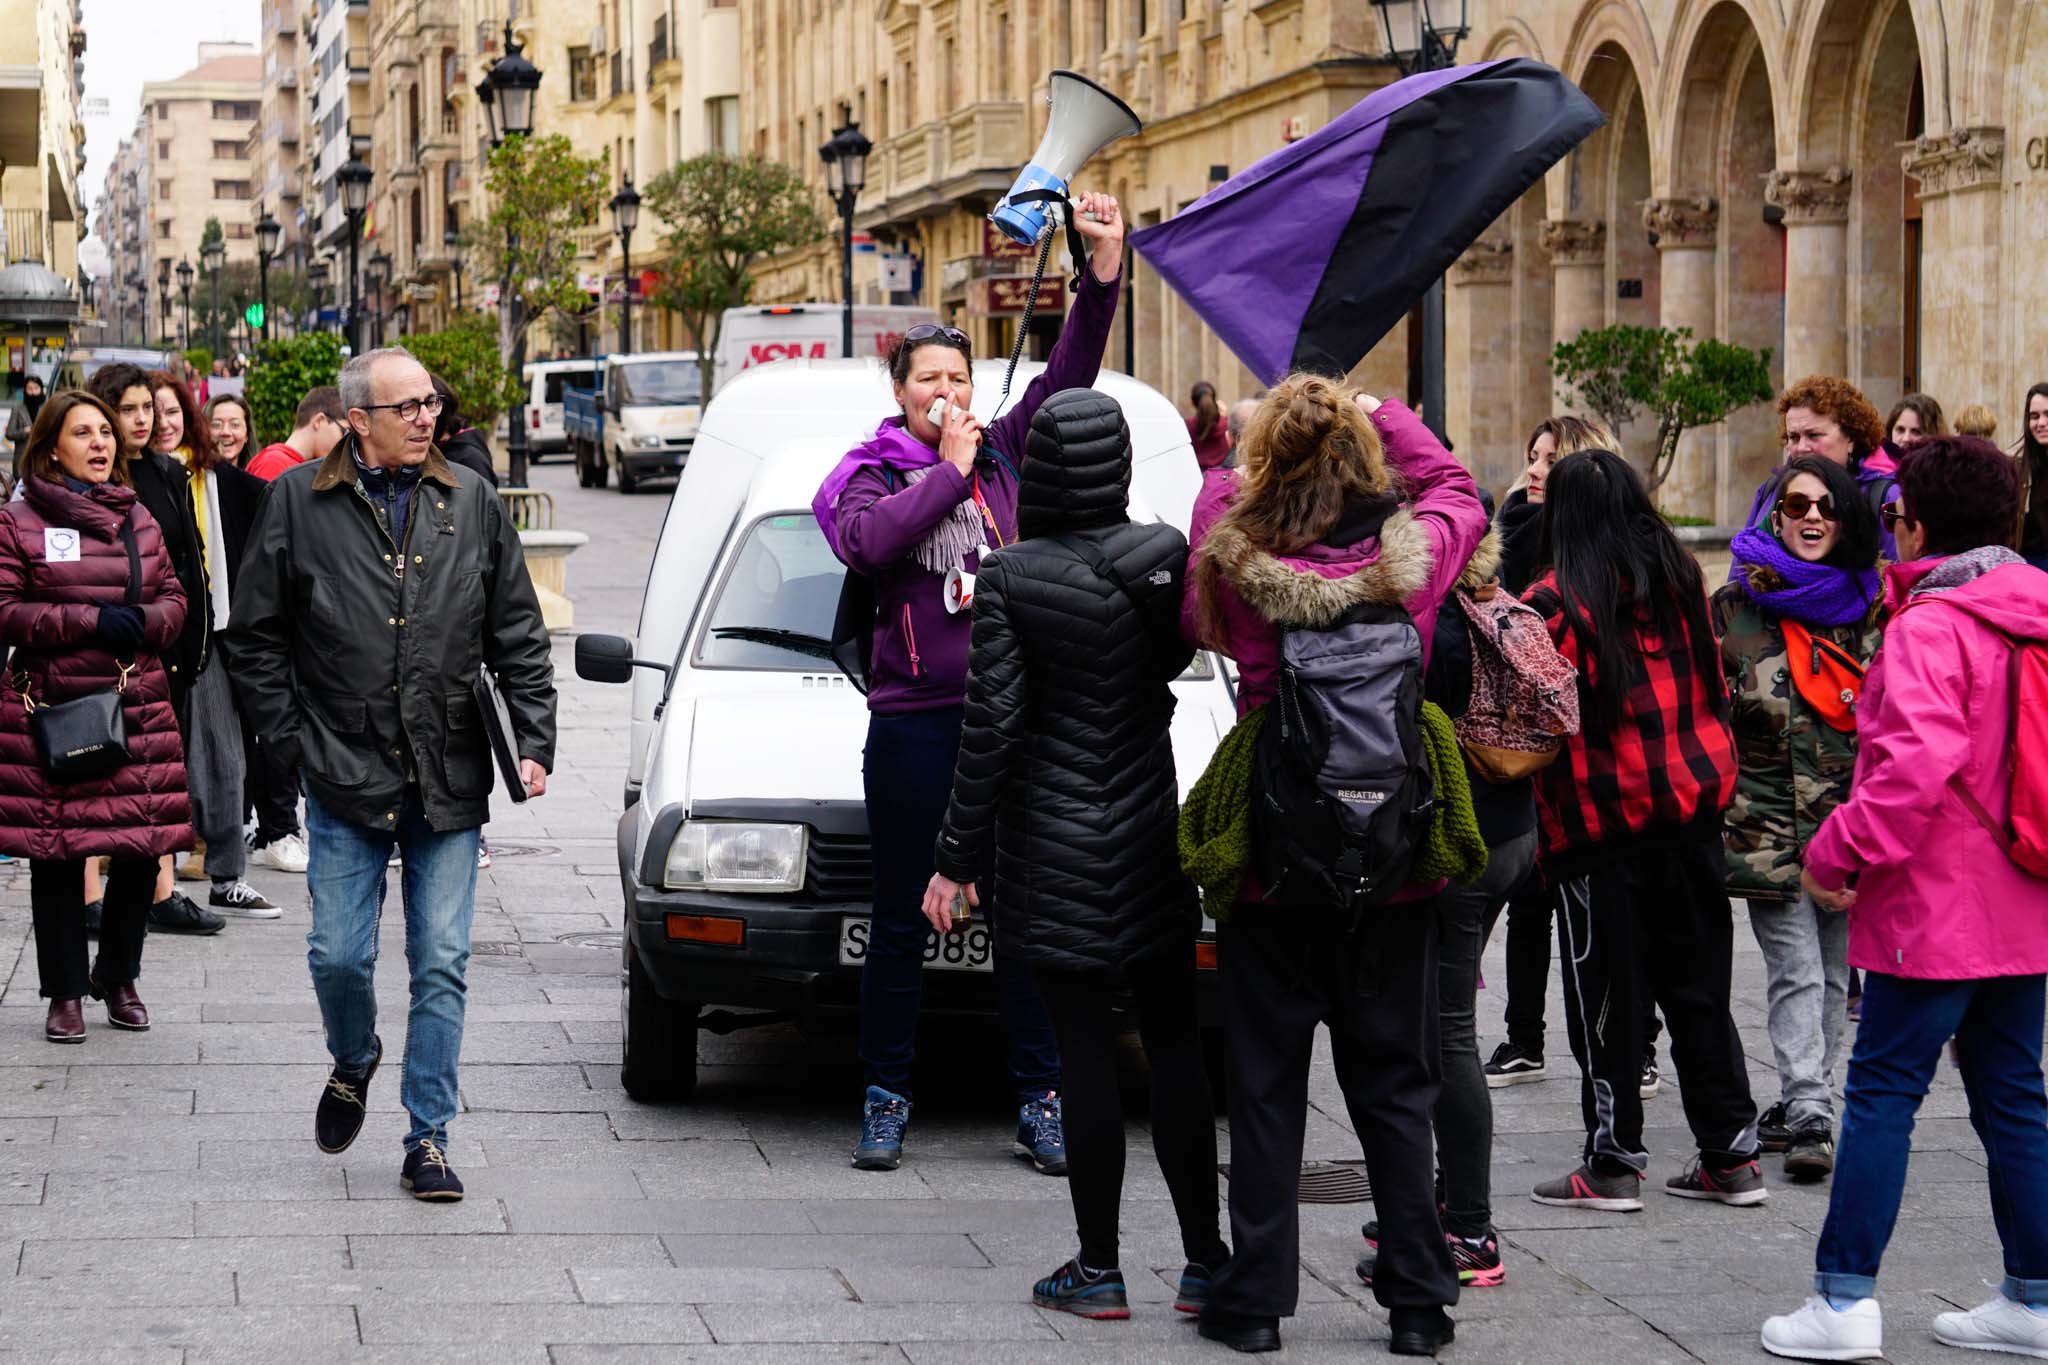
(1669, 762)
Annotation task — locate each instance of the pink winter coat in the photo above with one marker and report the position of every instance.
(49, 607)
(1935, 896)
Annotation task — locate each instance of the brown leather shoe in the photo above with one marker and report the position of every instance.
(66, 1023)
(124, 1006)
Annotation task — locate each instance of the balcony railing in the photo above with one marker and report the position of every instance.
(622, 75)
(359, 63)
(658, 50)
(24, 235)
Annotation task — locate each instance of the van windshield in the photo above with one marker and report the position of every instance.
(775, 607)
(658, 381)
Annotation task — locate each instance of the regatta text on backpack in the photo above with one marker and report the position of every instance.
(1525, 695)
(1341, 784)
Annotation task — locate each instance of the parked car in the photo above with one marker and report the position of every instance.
(761, 334)
(743, 849)
(545, 382)
(641, 420)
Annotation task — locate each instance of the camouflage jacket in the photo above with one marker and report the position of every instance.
(1794, 768)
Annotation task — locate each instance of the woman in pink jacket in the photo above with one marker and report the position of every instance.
(1340, 500)
(1951, 935)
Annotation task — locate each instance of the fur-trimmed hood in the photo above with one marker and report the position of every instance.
(1484, 563)
(1294, 591)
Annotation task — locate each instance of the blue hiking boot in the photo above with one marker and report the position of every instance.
(883, 1118)
(1095, 1294)
(1041, 1137)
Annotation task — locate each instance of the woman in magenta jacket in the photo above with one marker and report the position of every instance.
(1951, 935)
(1338, 500)
(915, 500)
(70, 547)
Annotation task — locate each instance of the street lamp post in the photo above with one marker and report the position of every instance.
(316, 280)
(376, 272)
(213, 256)
(163, 298)
(846, 175)
(355, 201)
(1423, 35)
(452, 240)
(507, 93)
(625, 207)
(185, 289)
(140, 290)
(268, 231)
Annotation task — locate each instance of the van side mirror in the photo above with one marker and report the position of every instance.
(609, 659)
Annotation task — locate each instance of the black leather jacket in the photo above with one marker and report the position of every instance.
(355, 656)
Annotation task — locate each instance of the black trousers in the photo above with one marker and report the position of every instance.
(1183, 1115)
(271, 789)
(1528, 912)
(1283, 972)
(56, 895)
(1654, 924)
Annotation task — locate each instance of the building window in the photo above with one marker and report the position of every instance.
(722, 124)
(163, 109)
(235, 111)
(239, 231)
(231, 189)
(163, 150)
(163, 229)
(230, 151)
(163, 189)
(582, 74)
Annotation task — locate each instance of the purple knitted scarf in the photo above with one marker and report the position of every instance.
(1814, 594)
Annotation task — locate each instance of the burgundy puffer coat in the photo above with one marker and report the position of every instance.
(48, 612)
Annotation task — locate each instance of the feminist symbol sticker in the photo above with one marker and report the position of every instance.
(60, 545)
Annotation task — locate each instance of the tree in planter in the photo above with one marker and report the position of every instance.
(286, 370)
(1622, 372)
(724, 214)
(465, 354)
(542, 196)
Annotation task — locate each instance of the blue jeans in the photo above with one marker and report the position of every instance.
(1997, 1027)
(908, 773)
(345, 874)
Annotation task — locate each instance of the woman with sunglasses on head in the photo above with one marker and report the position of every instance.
(929, 493)
(1798, 626)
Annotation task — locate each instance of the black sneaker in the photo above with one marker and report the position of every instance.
(1192, 1295)
(1741, 1186)
(343, 1105)
(177, 913)
(92, 917)
(1773, 1133)
(1586, 1188)
(1420, 1331)
(428, 1175)
(1511, 1064)
(1649, 1082)
(1097, 1294)
(1811, 1154)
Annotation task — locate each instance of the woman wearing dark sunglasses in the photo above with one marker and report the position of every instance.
(926, 496)
(1798, 626)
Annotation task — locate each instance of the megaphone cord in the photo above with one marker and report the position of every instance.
(1024, 322)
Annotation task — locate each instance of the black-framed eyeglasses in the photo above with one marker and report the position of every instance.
(1891, 516)
(1797, 505)
(933, 331)
(410, 409)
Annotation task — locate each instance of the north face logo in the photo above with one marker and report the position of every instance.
(1161, 577)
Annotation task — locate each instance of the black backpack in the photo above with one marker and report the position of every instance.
(1342, 792)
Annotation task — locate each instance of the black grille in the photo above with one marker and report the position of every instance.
(839, 868)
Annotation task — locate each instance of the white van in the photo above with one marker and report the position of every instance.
(545, 380)
(765, 333)
(743, 851)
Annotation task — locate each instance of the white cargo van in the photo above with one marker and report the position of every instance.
(762, 334)
(545, 380)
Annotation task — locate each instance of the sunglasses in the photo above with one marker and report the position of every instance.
(1797, 505)
(1891, 516)
(932, 331)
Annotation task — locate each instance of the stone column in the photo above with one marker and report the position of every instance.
(1578, 262)
(1816, 205)
(1479, 354)
(1960, 307)
(1687, 233)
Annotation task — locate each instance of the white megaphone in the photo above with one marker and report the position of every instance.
(1085, 119)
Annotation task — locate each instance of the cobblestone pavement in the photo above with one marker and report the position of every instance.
(161, 1198)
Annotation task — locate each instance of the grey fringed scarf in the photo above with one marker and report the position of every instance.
(959, 533)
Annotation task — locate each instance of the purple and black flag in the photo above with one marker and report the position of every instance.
(1308, 257)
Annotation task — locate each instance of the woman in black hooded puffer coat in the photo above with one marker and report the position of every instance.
(1065, 792)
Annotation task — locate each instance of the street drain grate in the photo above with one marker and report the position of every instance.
(612, 939)
(1328, 1182)
(524, 851)
(496, 950)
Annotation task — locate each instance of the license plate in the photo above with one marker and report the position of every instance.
(968, 948)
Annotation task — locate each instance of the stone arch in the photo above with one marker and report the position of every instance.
(1514, 38)
(1710, 39)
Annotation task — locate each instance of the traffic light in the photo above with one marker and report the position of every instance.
(253, 315)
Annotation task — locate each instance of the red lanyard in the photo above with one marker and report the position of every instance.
(986, 515)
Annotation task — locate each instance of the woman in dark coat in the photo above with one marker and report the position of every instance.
(87, 603)
(1065, 789)
(461, 443)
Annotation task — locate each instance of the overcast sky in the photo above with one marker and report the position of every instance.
(129, 42)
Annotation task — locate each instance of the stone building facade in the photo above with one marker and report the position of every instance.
(277, 140)
(194, 135)
(42, 141)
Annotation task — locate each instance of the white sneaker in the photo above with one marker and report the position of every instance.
(2000, 1325)
(1819, 1331)
(286, 854)
(243, 901)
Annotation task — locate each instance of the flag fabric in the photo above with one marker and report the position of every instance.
(1309, 256)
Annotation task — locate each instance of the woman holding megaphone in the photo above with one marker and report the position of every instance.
(928, 494)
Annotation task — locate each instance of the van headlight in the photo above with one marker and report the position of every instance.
(720, 855)
(646, 442)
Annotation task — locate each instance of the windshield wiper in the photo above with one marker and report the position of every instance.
(796, 641)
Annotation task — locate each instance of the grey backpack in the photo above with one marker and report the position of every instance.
(1342, 792)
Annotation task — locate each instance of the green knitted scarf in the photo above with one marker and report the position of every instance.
(1216, 821)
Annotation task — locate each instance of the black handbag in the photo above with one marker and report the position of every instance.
(86, 738)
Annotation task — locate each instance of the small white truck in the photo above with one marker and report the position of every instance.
(764, 333)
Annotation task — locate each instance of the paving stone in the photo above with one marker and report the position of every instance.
(445, 1353)
(20, 1222)
(520, 1324)
(167, 1284)
(749, 1354)
(141, 1256)
(378, 1252)
(705, 1284)
(769, 1250)
(498, 1182)
(655, 1215)
(408, 1285)
(239, 1328)
(324, 1217)
(884, 1323)
(85, 1188)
